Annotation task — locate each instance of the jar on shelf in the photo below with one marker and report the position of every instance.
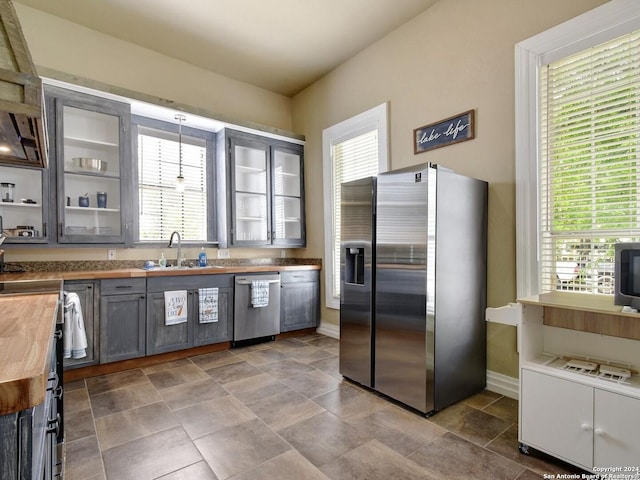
(6, 190)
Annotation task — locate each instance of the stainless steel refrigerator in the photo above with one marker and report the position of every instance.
(413, 285)
(357, 278)
(430, 295)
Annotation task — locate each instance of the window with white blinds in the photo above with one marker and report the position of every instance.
(589, 164)
(352, 149)
(353, 158)
(162, 209)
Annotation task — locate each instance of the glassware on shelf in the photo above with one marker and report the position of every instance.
(7, 191)
(102, 199)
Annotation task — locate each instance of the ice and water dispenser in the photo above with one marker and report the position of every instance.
(354, 265)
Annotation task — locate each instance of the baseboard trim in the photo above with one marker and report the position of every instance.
(496, 382)
(503, 384)
(329, 329)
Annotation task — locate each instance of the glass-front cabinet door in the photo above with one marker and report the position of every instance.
(266, 191)
(251, 193)
(288, 196)
(92, 141)
(24, 204)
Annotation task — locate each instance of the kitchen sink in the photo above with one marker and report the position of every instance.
(171, 268)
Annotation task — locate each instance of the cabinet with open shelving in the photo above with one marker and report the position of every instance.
(24, 210)
(264, 203)
(91, 141)
(570, 406)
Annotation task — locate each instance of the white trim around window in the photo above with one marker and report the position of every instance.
(594, 27)
(375, 118)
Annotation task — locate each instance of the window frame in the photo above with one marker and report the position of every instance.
(374, 118)
(604, 23)
(211, 215)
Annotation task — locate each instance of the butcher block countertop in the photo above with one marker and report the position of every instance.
(27, 324)
(105, 273)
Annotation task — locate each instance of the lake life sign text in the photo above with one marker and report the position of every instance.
(458, 128)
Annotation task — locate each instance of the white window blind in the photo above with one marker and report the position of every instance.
(354, 148)
(354, 158)
(162, 209)
(589, 164)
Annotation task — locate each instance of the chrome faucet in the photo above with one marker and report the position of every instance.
(179, 257)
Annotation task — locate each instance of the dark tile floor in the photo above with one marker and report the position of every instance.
(280, 410)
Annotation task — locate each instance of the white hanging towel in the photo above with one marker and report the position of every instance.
(208, 304)
(259, 293)
(175, 307)
(74, 341)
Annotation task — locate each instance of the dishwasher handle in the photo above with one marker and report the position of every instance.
(244, 282)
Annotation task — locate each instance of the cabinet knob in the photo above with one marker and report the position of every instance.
(586, 427)
(600, 432)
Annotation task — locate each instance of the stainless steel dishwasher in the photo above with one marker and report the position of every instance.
(252, 321)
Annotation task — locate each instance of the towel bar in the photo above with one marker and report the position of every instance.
(249, 283)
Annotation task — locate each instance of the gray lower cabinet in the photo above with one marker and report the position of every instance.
(87, 293)
(163, 338)
(299, 299)
(122, 319)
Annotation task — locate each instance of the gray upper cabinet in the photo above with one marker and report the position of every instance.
(90, 144)
(24, 204)
(263, 204)
(163, 337)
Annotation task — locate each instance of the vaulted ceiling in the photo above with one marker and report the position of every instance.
(280, 45)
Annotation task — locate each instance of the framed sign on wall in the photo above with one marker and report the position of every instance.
(456, 129)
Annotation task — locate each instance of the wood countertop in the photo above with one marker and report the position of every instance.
(156, 272)
(27, 324)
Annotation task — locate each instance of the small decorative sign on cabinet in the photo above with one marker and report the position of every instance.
(456, 129)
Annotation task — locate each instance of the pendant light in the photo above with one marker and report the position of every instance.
(180, 180)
